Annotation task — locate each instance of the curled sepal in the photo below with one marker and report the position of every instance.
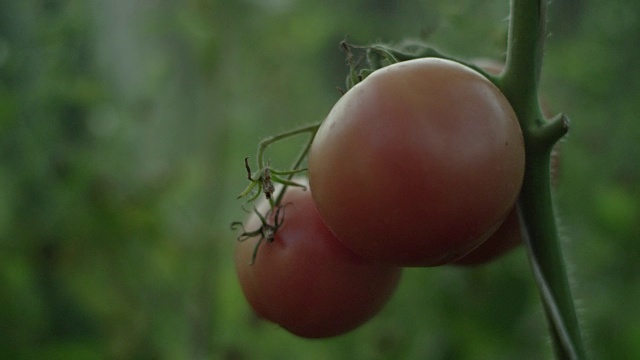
(265, 232)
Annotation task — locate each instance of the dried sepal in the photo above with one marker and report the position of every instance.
(266, 231)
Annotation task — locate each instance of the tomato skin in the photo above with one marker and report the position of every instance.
(503, 240)
(417, 164)
(306, 280)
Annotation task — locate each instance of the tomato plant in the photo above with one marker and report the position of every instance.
(303, 278)
(417, 164)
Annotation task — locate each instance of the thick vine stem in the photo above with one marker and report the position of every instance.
(527, 24)
(545, 254)
(519, 83)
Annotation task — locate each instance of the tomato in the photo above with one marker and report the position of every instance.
(305, 279)
(418, 164)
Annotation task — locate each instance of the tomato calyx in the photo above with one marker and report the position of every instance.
(264, 181)
(266, 231)
(382, 55)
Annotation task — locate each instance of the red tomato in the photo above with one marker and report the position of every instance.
(306, 280)
(418, 164)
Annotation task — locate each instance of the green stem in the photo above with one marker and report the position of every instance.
(543, 244)
(519, 83)
(264, 144)
(272, 139)
(298, 162)
(524, 53)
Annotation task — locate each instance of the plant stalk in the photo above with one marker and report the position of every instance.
(519, 83)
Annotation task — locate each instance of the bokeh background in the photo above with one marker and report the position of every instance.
(123, 126)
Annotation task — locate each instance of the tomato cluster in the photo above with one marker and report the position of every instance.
(420, 164)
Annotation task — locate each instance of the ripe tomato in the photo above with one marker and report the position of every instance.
(417, 164)
(306, 280)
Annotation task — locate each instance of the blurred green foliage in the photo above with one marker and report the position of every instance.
(123, 125)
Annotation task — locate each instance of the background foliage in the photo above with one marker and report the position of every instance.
(123, 125)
